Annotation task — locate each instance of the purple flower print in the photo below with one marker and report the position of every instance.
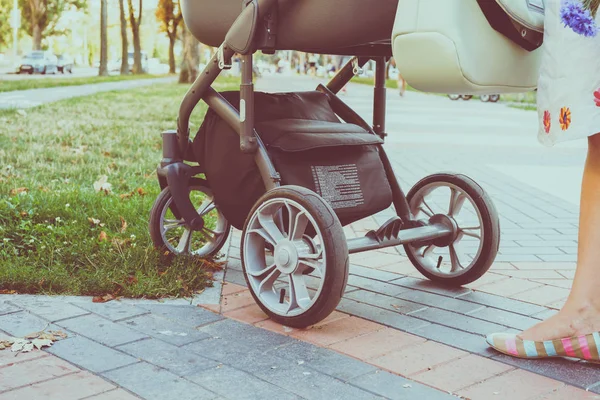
(577, 17)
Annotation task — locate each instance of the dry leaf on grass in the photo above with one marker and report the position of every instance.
(141, 191)
(17, 191)
(103, 299)
(7, 291)
(102, 185)
(123, 225)
(102, 237)
(94, 221)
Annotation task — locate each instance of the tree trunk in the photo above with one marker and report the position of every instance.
(37, 36)
(135, 30)
(191, 58)
(172, 39)
(103, 38)
(124, 44)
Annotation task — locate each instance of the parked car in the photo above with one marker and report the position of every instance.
(65, 64)
(38, 62)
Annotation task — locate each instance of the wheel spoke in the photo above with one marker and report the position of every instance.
(184, 242)
(428, 208)
(206, 207)
(298, 226)
(262, 271)
(267, 283)
(424, 211)
(316, 266)
(299, 297)
(428, 250)
(454, 259)
(457, 199)
(172, 224)
(470, 234)
(270, 228)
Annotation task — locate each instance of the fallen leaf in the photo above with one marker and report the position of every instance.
(125, 195)
(18, 345)
(24, 214)
(27, 347)
(22, 113)
(123, 225)
(58, 334)
(131, 279)
(407, 385)
(17, 191)
(171, 333)
(102, 237)
(7, 291)
(102, 185)
(103, 299)
(39, 343)
(141, 191)
(94, 221)
(33, 335)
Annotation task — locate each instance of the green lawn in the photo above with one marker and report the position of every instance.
(50, 157)
(34, 83)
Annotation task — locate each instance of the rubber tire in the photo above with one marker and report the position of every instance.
(44, 71)
(453, 97)
(154, 223)
(467, 97)
(491, 228)
(485, 98)
(337, 258)
(494, 98)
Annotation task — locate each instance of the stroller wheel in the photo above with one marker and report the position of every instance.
(169, 232)
(463, 204)
(302, 281)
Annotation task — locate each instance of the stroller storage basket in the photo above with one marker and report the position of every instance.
(309, 147)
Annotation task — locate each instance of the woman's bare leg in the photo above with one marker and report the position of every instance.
(581, 312)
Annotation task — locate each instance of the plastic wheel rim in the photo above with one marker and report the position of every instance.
(278, 281)
(425, 255)
(213, 238)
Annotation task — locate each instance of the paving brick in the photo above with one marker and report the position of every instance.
(49, 309)
(375, 286)
(458, 321)
(236, 300)
(387, 302)
(234, 262)
(229, 288)
(561, 283)
(154, 383)
(113, 310)
(117, 394)
(323, 360)
(509, 287)
(505, 318)
(89, 355)
(8, 308)
(559, 258)
(570, 393)
(461, 373)
(163, 329)
(21, 323)
(532, 274)
(443, 302)
(503, 303)
(518, 258)
(376, 344)
(395, 387)
(546, 250)
(372, 273)
(7, 357)
(540, 243)
(179, 361)
(381, 316)
(542, 295)
(192, 316)
(578, 374)
(336, 331)
(503, 266)
(249, 315)
(33, 371)
(101, 330)
(489, 277)
(545, 314)
(235, 384)
(514, 385)
(235, 276)
(418, 358)
(429, 286)
(456, 338)
(70, 387)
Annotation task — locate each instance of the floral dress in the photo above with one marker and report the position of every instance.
(569, 84)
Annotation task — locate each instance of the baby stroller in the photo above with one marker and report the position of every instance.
(291, 169)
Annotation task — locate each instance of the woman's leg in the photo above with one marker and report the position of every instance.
(581, 312)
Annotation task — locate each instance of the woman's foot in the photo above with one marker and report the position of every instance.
(570, 321)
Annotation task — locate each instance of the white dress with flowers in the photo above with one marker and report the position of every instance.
(569, 84)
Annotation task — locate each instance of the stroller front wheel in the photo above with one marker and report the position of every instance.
(294, 256)
(170, 233)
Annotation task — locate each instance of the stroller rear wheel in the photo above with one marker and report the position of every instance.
(459, 202)
(170, 233)
(302, 280)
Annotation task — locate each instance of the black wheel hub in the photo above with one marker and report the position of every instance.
(448, 222)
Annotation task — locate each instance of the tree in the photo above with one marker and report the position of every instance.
(41, 16)
(124, 44)
(5, 22)
(135, 30)
(169, 15)
(103, 38)
(191, 58)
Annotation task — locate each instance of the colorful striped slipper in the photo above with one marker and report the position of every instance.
(582, 347)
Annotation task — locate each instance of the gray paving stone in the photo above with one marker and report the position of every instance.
(235, 384)
(50, 309)
(87, 354)
(455, 338)
(546, 250)
(154, 383)
(559, 258)
(185, 315)
(172, 358)
(235, 276)
(545, 314)
(458, 321)
(569, 250)
(558, 236)
(578, 374)
(21, 323)
(393, 387)
(101, 330)
(505, 318)
(379, 315)
(429, 286)
(234, 263)
(387, 302)
(518, 258)
(373, 273)
(375, 286)
(323, 360)
(113, 310)
(8, 308)
(439, 301)
(164, 329)
(503, 303)
(538, 243)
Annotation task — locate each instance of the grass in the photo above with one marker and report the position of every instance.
(26, 84)
(50, 158)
